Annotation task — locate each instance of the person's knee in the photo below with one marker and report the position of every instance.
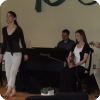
(13, 75)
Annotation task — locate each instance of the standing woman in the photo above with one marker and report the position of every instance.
(12, 34)
(81, 51)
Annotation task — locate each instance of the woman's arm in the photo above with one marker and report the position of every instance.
(23, 44)
(68, 59)
(3, 48)
(84, 59)
(22, 41)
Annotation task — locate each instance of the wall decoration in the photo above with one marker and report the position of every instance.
(57, 3)
(90, 3)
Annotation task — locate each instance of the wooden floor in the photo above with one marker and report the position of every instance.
(22, 96)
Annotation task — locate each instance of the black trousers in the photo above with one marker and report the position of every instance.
(66, 77)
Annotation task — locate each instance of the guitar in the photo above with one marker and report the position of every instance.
(92, 43)
(72, 59)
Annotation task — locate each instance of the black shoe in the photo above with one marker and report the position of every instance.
(97, 97)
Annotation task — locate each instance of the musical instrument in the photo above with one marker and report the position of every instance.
(92, 43)
(44, 63)
(49, 59)
(72, 59)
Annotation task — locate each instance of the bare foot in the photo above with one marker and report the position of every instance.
(6, 95)
(12, 94)
(8, 92)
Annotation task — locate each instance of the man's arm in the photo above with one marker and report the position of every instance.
(97, 44)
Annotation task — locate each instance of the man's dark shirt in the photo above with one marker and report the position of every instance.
(68, 45)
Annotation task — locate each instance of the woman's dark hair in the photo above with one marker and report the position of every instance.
(14, 15)
(82, 33)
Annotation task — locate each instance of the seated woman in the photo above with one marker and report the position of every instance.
(81, 51)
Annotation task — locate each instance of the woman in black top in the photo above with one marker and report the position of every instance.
(81, 51)
(12, 34)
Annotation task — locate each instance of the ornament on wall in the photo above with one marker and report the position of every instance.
(38, 4)
(57, 3)
(90, 3)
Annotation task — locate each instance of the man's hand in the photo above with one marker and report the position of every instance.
(97, 44)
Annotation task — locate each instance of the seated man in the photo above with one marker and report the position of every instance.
(66, 42)
(97, 71)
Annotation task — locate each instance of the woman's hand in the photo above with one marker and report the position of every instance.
(70, 65)
(1, 57)
(25, 57)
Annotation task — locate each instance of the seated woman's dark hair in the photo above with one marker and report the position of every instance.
(82, 33)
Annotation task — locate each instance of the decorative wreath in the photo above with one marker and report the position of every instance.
(38, 4)
(56, 3)
(90, 3)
